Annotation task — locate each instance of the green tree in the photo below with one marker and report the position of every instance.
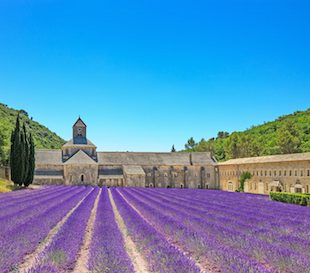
(288, 138)
(16, 154)
(22, 155)
(173, 150)
(191, 144)
(244, 177)
(2, 152)
(232, 147)
(31, 161)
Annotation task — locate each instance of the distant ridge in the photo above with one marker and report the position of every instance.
(43, 137)
(287, 134)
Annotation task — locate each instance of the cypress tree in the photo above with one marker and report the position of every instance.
(25, 147)
(22, 161)
(31, 162)
(15, 158)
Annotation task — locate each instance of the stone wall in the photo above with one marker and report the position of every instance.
(81, 174)
(289, 175)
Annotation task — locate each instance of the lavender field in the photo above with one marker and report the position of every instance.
(88, 229)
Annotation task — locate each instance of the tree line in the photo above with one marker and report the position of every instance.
(289, 134)
(22, 155)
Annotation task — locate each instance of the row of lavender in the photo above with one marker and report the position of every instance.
(26, 221)
(222, 231)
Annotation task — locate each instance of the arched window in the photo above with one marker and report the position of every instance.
(82, 178)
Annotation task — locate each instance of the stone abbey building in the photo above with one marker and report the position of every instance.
(78, 162)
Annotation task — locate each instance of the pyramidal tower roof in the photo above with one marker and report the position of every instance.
(79, 123)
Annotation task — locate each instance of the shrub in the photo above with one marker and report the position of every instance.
(291, 198)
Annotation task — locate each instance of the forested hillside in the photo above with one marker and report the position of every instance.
(287, 134)
(43, 137)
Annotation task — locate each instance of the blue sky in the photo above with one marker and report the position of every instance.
(148, 74)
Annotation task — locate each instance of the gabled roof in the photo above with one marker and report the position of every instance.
(133, 169)
(80, 158)
(79, 122)
(70, 143)
(46, 157)
(268, 159)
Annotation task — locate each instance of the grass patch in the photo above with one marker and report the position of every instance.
(6, 186)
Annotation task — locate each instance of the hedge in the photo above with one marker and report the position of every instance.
(291, 198)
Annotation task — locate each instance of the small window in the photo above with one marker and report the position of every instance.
(82, 178)
(280, 173)
(275, 173)
(308, 173)
(269, 173)
(284, 173)
(182, 186)
(261, 173)
(298, 190)
(265, 173)
(296, 173)
(301, 173)
(290, 172)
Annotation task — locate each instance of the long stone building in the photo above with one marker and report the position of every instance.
(78, 162)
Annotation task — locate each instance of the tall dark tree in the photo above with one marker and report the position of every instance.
(15, 154)
(25, 152)
(173, 150)
(31, 161)
(22, 160)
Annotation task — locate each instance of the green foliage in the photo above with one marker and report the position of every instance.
(244, 177)
(291, 198)
(287, 134)
(288, 138)
(22, 155)
(42, 136)
(191, 144)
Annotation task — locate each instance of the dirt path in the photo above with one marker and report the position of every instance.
(204, 267)
(30, 260)
(138, 262)
(81, 264)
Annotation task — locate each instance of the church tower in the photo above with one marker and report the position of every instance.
(79, 142)
(79, 132)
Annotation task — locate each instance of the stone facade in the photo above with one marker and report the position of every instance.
(289, 173)
(78, 162)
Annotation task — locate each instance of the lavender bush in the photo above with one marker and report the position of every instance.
(107, 252)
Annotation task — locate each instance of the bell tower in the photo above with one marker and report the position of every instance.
(79, 132)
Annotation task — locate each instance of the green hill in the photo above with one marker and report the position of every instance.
(43, 137)
(287, 134)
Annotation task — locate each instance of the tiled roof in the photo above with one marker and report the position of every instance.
(144, 159)
(47, 157)
(71, 143)
(268, 159)
(133, 169)
(80, 158)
